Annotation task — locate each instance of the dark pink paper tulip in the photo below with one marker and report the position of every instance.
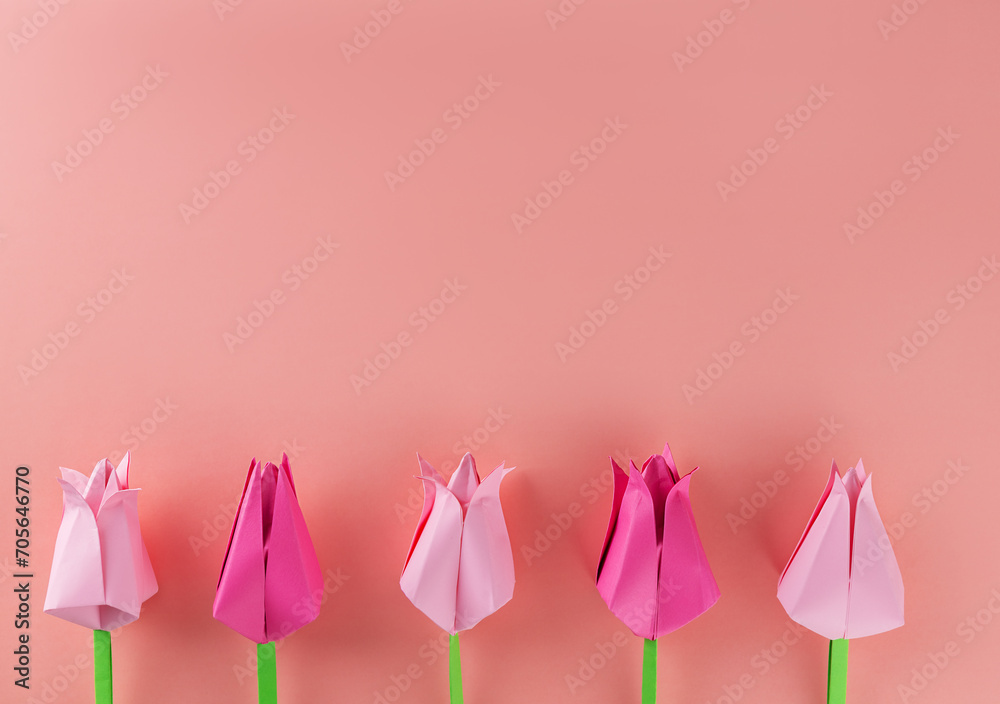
(653, 573)
(271, 583)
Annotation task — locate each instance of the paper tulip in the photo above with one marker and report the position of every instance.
(270, 583)
(460, 568)
(101, 572)
(653, 573)
(842, 580)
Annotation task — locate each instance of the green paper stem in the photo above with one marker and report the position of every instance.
(836, 691)
(649, 672)
(267, 674)
(455, 671)
(102, 667)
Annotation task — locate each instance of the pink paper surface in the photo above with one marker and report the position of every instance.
(653, 573)
(270, 584)
(843, 581)
(101, 573)
(159, 368)
(459, 569)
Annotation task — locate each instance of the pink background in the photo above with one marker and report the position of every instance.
(161, 340)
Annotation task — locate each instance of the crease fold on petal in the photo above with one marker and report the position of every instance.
(620, 482)
(101, 573)
(486, 562)
(686, 587)
(876, 592)
(628, 577)
(464, 481)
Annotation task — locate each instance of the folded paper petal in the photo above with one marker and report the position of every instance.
(464, 481)
(687, 587)
(653, 573)
(430, 575)
(76, 582)
(628, 579)
(239, 596)
(293, 583)
(814, 585)
(620, 482)
(842, 580)
(486, 565)
(270, 584)
(460, 567)
(876, 596)
(101, 573)
(659, 480)
(123, 583)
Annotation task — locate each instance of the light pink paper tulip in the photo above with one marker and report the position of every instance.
(843, 581)
(270, 583)
(460, 568)
(101, 572)
(653, 573)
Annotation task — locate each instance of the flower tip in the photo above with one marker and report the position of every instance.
(503, 469)
(669, 457)
(122, 469)
(468, 463)
(859, 471)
